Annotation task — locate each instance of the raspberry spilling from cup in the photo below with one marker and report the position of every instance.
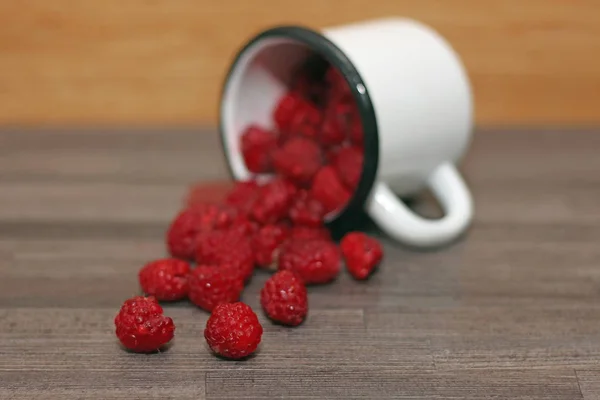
(314, 156)
(317, 144)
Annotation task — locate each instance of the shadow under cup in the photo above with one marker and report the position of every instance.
(267, 68)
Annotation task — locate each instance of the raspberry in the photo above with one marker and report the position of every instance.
(257, 147)
(299, 159)
(314, 261)
(343, 114)
(305, 121)
(348, 163)
(165, 279)
(244, 226)
(273, 201)
(212, 285)
(227, 247)
(356, 131)
(309, 233)
(329, 190)
(284, 298)
(141, 325)
(338, 85)
(181, 236)
(266, 243)
(306, 211)
(361, 253)
(243, 195)
(285, 111)
(333, 132)
(233, 330)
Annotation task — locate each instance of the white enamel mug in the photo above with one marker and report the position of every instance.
(415, 104)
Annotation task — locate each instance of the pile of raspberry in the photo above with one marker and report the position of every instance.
(315, 158)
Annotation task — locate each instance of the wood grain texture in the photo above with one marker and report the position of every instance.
(509, 312)
(153, 61)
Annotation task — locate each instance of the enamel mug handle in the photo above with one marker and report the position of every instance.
(402, 224)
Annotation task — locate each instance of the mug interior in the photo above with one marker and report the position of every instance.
(261, 74)
(259, 78)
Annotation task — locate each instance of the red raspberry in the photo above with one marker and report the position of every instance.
(306, 121)
(343, 114)
(356, 130)
(314, 261)
(233, 330)
(284, 298)
(299, 159)
(266, 243)
(329, 190)
(333, 132)
(165, 279)
(227, 247)
(141, 325)
(213, 285)
(244, 226)
(338, 85)
(309, 233)
(348, 163)
(285, 111)
(362, 254)
(243, 195)
(181, 236)
(306, 211)
(257, 147)
(354, 123)
(273, 202)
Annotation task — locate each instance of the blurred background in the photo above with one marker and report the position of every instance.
(139, 62)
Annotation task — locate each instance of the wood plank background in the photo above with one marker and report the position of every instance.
(159, 61)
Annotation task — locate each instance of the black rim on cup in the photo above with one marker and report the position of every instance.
(352, 214)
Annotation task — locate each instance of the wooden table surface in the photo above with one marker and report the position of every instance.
(510, 312)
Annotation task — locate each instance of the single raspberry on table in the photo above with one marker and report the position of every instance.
(348, 163)
(226, 247)
(273, 201)
(309, 233)
(285, 299)
(361, 253)
(165, 279)
(266, 243)
(141, 326)
(298, 159)
(306, 211)
(211, 285)
(182, 233)
(233, 330)
(327, 188)
(257, 148)
(242, 196)
(314, 261)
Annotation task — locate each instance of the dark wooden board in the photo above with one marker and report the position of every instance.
(512, 311)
